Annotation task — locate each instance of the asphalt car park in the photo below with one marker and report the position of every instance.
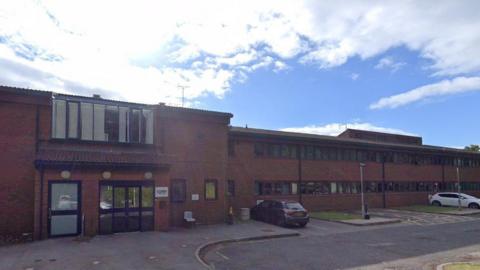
(331, 245)
(421, 218)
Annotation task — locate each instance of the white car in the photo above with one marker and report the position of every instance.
(451, 199)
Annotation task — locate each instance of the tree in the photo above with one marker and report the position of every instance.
(473, 148)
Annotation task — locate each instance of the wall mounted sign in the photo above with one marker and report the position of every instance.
(195, 197)
(161, 192)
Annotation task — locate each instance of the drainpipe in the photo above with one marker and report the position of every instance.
(384, 195)
(41, 203)
(443, 178)
(299, 188)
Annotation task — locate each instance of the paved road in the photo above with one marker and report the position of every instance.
(343, 247)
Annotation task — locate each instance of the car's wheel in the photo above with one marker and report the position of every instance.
(436, 203)
(474, 206)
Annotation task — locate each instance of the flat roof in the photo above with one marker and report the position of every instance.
(297, 136)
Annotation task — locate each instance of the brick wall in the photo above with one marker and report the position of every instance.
(17, 147)
(198, 146)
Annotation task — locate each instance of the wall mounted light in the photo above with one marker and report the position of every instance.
(148, 175)
(106, 175)
(65, 174)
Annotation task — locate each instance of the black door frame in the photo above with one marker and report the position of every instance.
(126, 184)
(65, 212)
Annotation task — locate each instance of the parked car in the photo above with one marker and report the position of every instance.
(280, 212)
(451, 199)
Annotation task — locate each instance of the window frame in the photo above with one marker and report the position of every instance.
(142, 125)
(231, 184)
(215, 182)
(182, 182)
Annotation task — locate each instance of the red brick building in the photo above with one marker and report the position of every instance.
(73, 164)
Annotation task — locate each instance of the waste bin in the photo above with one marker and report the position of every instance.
(244, 213)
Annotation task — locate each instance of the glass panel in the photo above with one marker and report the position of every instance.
(106, 197)
(123, 124)
(294, 188)
(147, 196)
(133, 197)
(59, 119)
(105, 223)
(148, 117)
(178, 190)
(87, 120)
(147, 220)
(64, 197)
(119, 197)
(134, 221)
(111, 124)
(210, 190)
(61, 225)
(135, 126)
(333, 187)
(99, 122)
(73, 120)
(120, 222)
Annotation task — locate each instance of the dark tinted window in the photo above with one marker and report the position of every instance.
(294, 206)
(179, 190)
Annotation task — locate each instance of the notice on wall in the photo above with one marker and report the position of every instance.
(195, 197)
(161, 192)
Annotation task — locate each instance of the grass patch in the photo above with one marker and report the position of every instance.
(462, 266)
(333, 215)
(429, 209)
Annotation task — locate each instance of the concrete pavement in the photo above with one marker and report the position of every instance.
(139, 250)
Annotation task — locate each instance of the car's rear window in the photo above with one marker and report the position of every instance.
(293, 206)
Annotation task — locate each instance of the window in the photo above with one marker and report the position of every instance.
(135, 126)
(178, 190)
(211, 189)
(147, 126)
(230, 188)
(101, 122)
(259, 149)
(86, 112)
(59, 121)
(72, 120)
(111, 123)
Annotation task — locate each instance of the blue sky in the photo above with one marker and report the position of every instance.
(405, 67)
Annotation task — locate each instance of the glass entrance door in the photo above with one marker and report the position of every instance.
(126, 209)
(125, 206)
(64, 208)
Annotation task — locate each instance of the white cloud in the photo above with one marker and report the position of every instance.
(388, 62)
(143, 50)
(354, 76)
(442, 88)
(334, 129)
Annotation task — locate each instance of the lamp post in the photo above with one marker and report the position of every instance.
(364, 214)
(458, 190)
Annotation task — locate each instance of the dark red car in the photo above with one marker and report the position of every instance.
(280, 213)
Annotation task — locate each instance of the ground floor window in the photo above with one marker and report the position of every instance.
(179, 190)
(210, 189)
(350, 187)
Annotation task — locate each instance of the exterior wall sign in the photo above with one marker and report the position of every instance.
(161, 192)
(195, 197)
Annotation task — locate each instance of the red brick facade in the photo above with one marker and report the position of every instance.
(190, 146)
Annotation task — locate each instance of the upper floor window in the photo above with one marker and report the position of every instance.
(101, 122)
